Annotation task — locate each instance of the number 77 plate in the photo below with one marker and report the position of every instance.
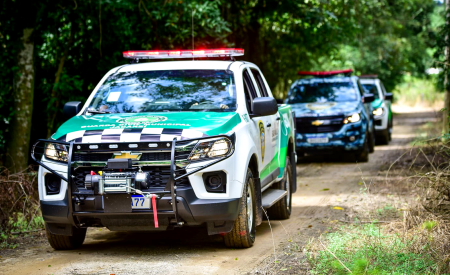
(140, 202)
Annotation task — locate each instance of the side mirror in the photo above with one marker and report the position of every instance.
(367, 98)
(264, 106)
(389, 96)
(72, 108)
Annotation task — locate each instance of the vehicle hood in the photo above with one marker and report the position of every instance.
(325, 109)
(183, 124)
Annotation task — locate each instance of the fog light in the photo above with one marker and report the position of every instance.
(215, 181)
(352, 138)
(52, 184)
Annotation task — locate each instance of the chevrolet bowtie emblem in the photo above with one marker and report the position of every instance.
(127, 155)
(317, 122)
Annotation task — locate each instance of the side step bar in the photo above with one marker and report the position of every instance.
(271, 196)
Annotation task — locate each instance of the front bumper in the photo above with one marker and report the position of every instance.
(350, 137)
(81, 206)
(96, 213)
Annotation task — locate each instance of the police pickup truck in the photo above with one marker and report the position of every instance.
(161, 145)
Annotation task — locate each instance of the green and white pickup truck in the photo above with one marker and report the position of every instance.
(160, 145)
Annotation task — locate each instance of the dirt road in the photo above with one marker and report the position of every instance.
(330, 190)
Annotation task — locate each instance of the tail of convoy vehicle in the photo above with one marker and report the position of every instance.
(161, 145)
(382, 111)
(333, 114)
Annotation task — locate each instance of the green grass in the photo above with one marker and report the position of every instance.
(366, 249)
(418, 91)
(20, 225)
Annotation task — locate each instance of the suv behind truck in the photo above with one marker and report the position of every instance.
(333, 114)
(160, 145)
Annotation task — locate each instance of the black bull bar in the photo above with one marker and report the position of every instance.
(39, 148)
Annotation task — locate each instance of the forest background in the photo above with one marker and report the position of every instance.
(55, 51)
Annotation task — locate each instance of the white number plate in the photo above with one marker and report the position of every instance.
(318, 140)
(140, 202)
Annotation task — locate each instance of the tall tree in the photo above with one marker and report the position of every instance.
(18, 147)
(446, 70)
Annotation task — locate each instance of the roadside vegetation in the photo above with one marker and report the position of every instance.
(376, 249)
(408, 238)
(19, 206)
(414, 91)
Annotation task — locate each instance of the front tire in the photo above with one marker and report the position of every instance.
(383, 137)
(281, 210)
(63, 242)
(244, 230)
(363, 156)
(372, 140)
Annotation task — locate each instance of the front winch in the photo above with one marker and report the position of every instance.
(117, 182)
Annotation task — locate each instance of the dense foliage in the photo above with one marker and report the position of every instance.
(76, 42)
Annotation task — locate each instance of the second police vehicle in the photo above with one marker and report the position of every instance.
(333, 114)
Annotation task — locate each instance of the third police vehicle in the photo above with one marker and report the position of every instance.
(382, 111)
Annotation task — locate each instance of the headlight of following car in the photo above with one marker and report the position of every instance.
(353, 118)
(378, 111)
(212, 148)
(55, 151)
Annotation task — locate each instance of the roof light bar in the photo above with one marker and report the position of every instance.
(328, 73)
(183, 53)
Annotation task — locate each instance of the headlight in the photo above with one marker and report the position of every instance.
(212, 148)
(378, 111)
(353, 118)
(55, 151)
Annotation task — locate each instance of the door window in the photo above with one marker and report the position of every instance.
(259, 82)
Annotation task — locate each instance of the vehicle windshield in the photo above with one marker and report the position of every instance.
(164, 91)
(371, 89)
(323, 92)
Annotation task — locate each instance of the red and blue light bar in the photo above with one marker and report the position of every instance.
(223, 52)
(326, 73)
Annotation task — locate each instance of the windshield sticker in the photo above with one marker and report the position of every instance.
(113, 97)
(320, 106)
(262, 135)
(142, 119)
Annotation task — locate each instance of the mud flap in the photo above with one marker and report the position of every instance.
(220, 227)
(60, 229)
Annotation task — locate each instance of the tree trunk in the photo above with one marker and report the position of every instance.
(446, 71)
(19, 142)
